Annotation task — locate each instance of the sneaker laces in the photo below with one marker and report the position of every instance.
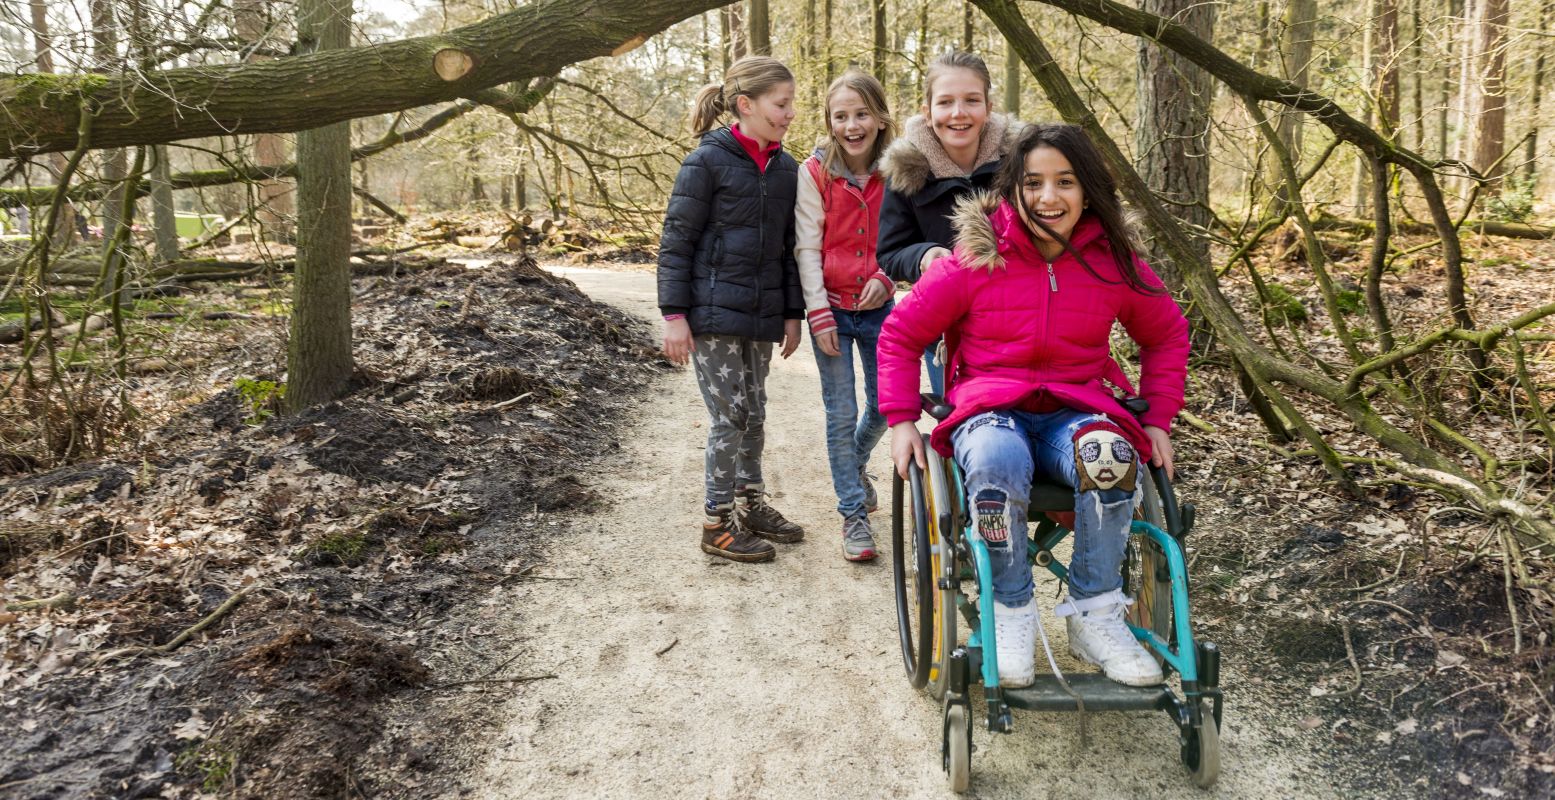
(856, 529)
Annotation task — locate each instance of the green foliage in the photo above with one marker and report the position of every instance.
(262, 397)
(1283, 305)
(211, 764)
(347, 548)
(1350, 300)
(1515, 201)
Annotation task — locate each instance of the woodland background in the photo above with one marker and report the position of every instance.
(1352, 200)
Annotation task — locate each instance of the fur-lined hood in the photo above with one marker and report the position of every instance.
(917, 156)
(984, 223)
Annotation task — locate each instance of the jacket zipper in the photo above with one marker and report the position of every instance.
(718, 242)
(761, 253)
(1052, 277)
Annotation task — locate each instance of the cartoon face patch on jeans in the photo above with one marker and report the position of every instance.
(1105, 459)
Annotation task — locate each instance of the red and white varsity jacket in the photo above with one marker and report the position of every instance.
(836, 225)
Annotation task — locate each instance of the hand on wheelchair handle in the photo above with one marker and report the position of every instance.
(1161, 450)
(906, 447)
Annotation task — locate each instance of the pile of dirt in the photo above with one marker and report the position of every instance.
(354, 533)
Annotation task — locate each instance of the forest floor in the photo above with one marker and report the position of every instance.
(476, 575)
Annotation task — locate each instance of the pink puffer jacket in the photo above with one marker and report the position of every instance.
(1012, 339)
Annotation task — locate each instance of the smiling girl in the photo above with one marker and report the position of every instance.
(1041, 270)
(847, 296)
(729, 289)
(951, 149)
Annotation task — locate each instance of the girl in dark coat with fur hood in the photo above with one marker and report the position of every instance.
(729, 289)
(949, 151)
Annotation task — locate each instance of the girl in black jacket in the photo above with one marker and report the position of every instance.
(950, 150)
(729, 289)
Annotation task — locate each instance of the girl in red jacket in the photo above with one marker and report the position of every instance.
(1026, 302)
(847, 296)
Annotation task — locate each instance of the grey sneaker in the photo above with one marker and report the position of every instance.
(871, 500)
(858, 540)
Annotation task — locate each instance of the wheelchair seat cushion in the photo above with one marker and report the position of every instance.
(1048, 496)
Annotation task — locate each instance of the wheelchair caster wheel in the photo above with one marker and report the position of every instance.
(1201, 752)
(957, 746)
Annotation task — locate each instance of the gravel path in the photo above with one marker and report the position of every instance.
(679, 675)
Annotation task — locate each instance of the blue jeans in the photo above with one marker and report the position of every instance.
(850, 435)
(998, 453)
(935, 369)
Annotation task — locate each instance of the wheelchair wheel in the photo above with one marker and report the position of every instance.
(942, 566)
(1201, 752)
(956, 748)
(925, 623)
(1147, 577)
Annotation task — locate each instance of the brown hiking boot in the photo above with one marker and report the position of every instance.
(722, 536)
(753, 514)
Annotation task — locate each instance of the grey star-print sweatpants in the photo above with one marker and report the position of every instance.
(732, 373)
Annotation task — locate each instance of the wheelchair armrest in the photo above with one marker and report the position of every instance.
(935, 406)
(1137, 406)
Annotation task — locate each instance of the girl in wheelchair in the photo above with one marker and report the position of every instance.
(1026, 302)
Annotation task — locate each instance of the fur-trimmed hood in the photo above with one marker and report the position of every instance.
(917, 156)
(976, 243)
(988, 229)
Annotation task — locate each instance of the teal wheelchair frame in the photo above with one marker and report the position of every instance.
(943, 551)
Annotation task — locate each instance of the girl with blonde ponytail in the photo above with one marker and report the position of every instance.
(729, 289)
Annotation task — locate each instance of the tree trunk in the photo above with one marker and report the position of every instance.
(809, 51)
(1012, 70)
(831, 64)
(734, 34)
(477, 186)
(43, 54)
(881, 43)
(1468, 86)
(1296, 59)
(1419, 71)
(1490, 112)
(967, 31)
(115, 162)
(761, 28)
(164, 218)
(307, 91)
(1384, 47)
(319, 362)
(1444, 89)
(1172, 131)
(1358, 182)
(1535, 96)
(252, 23)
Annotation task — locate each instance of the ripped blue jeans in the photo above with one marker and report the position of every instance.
(999, 452)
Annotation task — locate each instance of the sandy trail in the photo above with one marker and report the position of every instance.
(680, 675)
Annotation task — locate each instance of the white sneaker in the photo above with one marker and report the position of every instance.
(1015, 642)
(1098, 635)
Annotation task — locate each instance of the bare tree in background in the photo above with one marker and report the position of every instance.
(1171, 137)
(319, 362)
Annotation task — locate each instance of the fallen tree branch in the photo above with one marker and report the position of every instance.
(303, 92)
(187, 634)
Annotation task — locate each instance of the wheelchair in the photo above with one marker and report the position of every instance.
(936, 550)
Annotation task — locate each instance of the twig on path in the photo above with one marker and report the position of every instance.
(510, 401)
(62, 600)
(1386, 579)
(1349, 651)
(518, 679)
(188, 633)
(667, 648)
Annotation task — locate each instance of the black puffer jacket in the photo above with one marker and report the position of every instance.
(726, 259)
(918, 204)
